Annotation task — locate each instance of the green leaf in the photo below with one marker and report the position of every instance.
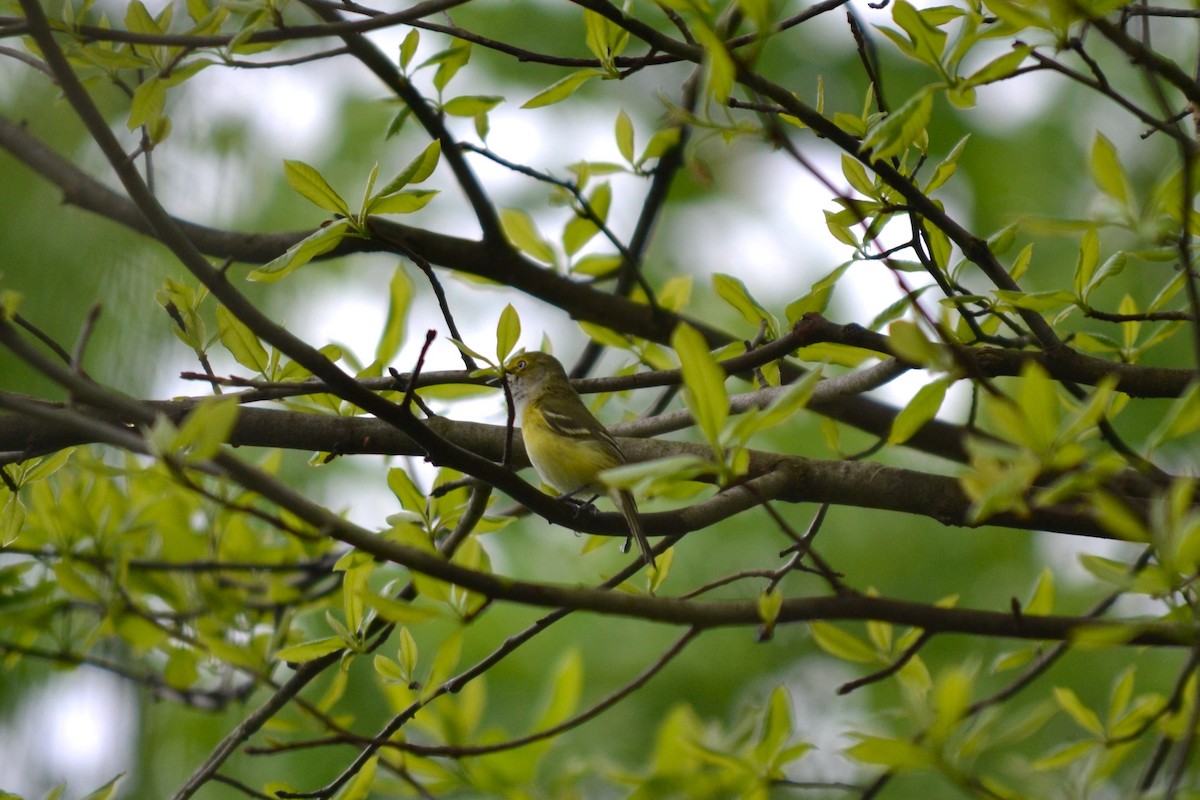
(734, 292)
(777, 724)
(449, 62)
(1039, 404)
(181, 670)
(624, 130)
(1085, 265)
(1107, 171)
(417, 170)
(411, 497)
(405, 202)
(951, 697)
(922, 408)
(1036, 301)
(909, 342)
(399, 611)
(769, 605)
(317, 243)
(718, 63)
(138, 19)
(785, 404)
(1069, 702)
(408, 48)
(311, 651)
(1041, 602)
(561, 89)
(841, 644)
(597, 265)
(400, 295)
(1000, 68)
(563, 691)
(856, 175)
(354, 587)
(902, 128)
(1118, 519)
(1018, 15)
(149, 99)
(73, 582)
(928, 42)
(947, 167)
(106, 791)
(1181, 419)
(206, 428)
(359, 787)
(471, 105)
(508, 332)
(893, 753)
(580, 229)
(309, 183)
(660, 143)
(605, 39)
(523, 234)
(240, 341)
(818, 296)
(407, 652)
(12, 518)
(704, 382)
(444, 662)
(41, 468)
(1064, 755)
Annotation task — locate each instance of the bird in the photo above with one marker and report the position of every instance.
(566, 444)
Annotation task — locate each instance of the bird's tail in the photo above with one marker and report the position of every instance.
(623, 500)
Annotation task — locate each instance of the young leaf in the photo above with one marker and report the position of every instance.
(1083, 716)
(704, 382)
(561, 89)
(206, 428)
(659, 144)
(417, 170)
(408, 48)
(902, 128)
(562, 692)
(1107, 171)
(508, 332)
(840, 644)
(317, 243)
(310, 651)
(734, 292)
(471, 105)
(769, 605)
(313, 187)
(624, 130)
(240, 341)
(523, 234)
(449, 62)
(720, 66)
(922, 408)
(410, 496)
(1085, 265)
(400, 294)
(401, 202)
(893, 753)
(148, 102)
(909, 342)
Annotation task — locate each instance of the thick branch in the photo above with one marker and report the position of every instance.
(787, 478)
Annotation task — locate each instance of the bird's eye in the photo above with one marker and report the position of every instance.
(522, 364)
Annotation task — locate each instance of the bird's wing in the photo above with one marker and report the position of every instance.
(583, 427)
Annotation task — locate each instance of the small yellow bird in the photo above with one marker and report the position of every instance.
(567, 446)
